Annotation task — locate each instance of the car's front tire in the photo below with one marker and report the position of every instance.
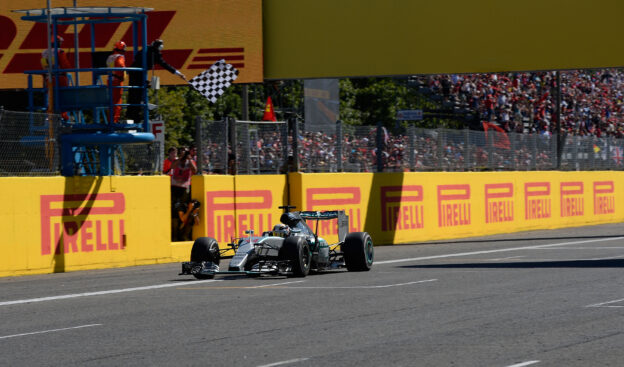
(205, 249)
(297, 251)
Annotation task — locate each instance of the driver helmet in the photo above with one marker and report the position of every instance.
(281, 230)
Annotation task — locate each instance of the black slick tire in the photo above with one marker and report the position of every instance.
(297, 251)
(358, 251)
(205, 249)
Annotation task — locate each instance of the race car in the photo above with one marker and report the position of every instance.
(292, 248)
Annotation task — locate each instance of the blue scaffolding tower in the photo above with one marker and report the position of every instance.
(90, 141)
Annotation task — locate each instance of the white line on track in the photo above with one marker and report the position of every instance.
(276, 284)
(369, 286)
(604, 304)
(112, 291)
(459, 254)
(505, 258)
(285, 362)
(49, 331)
(195, 282)
(527, 363)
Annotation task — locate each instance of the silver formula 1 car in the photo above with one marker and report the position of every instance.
(292, 248)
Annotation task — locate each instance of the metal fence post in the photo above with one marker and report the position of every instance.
(199, 145)
(439, 148)
(490, 147)
(607, 164)
(233, 156)
(246, 148)
(284, 135)
(379, 144)
(339, 166)
(534, 155)
(294, 126)
(411, 136)
(226, 147)
(467, 152)
(514, 161)
(592, 154)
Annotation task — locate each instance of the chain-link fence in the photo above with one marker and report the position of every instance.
(29, 144)
(260, 149)
(261, 146)
(139, 159)
(213, 153)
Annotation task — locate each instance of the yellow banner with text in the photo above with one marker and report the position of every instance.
(62, 224)
(411, 207)
(196, 33)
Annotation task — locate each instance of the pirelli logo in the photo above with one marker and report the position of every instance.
(82, 223)
(499, 205)
(572, 201)
(328, 198)
(604, 197)
(454, 205)
(402, 207)
(537, 201)
(230, 213)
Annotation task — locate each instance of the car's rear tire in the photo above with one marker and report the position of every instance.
(297, 251)
(205, 249)
(358, 251)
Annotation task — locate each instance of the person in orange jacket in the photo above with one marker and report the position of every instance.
(48, 58)
(117, 60)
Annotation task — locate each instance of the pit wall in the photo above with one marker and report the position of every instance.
(63, 224)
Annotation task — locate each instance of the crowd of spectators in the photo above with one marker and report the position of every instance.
(523, 105)
(591, 101)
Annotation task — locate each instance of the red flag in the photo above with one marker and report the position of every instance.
(500, 138)
(269, 112)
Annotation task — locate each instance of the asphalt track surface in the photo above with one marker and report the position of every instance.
(545, 298)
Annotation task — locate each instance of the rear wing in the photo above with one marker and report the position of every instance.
(343, 219)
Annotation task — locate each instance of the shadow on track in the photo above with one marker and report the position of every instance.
(607, 263)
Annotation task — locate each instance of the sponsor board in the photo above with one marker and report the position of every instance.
(499, 203)
(537, 200)
(232, 205)
(196, 33)
(402, 207)
(82, 223)
(572, 200)
(347, 198)
(56, 224)
(604, 197)
(230, 213)
(454, 205)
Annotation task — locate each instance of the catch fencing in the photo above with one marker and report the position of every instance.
(30, 146)
(266, 148)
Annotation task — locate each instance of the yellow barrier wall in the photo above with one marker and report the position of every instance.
(409, 207)
(61, 224)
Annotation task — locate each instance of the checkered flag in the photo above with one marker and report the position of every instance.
(213, 82)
